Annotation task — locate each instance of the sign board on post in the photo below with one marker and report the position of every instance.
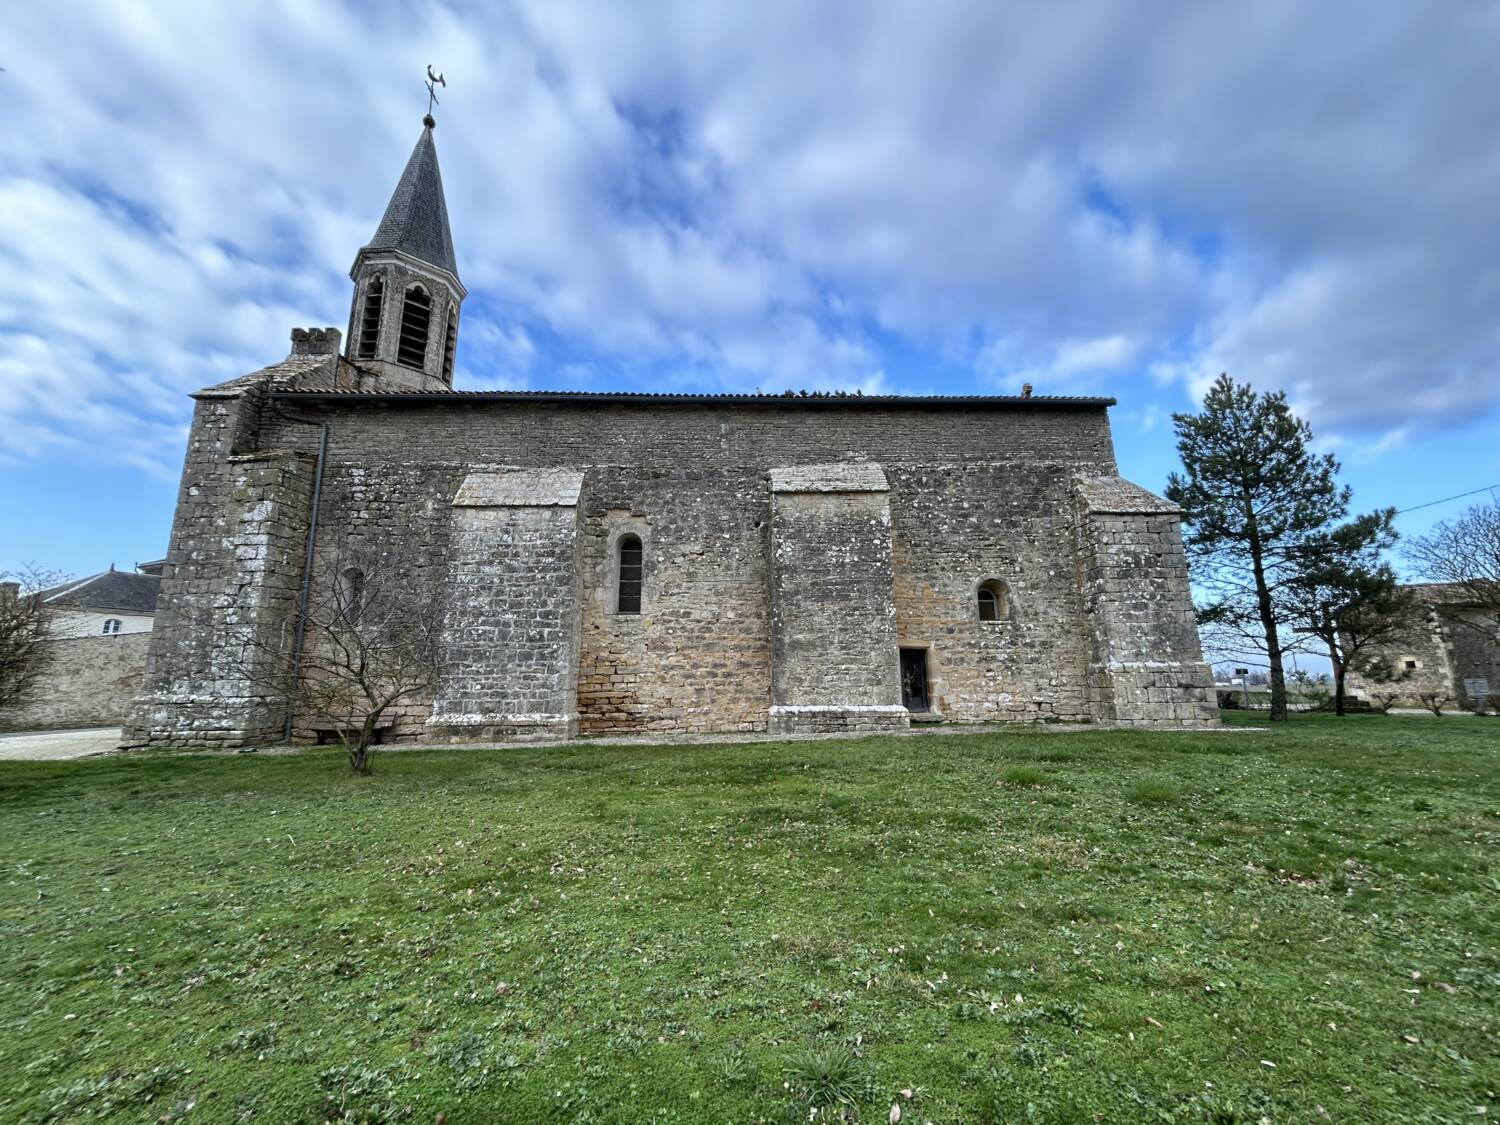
(1477, 691)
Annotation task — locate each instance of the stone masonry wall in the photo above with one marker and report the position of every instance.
(698, 655)
(472, 430)
(510, 632)
(234, 566)
(833, 618)
(1148, 667)
(975, 494)
(1474, 651)
(1448, 643)
(957, 525)
(692, 483)
(90, 682)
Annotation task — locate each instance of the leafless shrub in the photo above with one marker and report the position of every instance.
(24, 655)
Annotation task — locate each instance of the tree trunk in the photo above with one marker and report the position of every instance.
(359, 753)
(1338, 666)
(1268, 624)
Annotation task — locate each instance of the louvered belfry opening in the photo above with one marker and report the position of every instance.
(449, 343)
(369, 319)
(416, 319)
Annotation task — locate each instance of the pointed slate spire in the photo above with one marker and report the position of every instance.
(416, 218)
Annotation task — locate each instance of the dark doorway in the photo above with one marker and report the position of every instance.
(914, 679)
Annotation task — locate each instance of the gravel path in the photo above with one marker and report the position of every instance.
(39, 746)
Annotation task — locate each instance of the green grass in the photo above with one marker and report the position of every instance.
(1107, 926)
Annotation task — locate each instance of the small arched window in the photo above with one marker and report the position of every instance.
(351, 594)
(631, 562)
(994, 600)
(450, 342)
(111, 626)
(369, 319)
(416, 318)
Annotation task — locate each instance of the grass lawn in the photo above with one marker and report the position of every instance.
(1108, 926)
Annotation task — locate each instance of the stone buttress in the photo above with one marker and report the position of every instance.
(216, 671)
(833, 616)
(1147, 667)
(509, 651)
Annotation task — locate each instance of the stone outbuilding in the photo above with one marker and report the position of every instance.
(610, 562)
(1449, 651)
(99, 632)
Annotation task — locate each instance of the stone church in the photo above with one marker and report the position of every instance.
(637, 562)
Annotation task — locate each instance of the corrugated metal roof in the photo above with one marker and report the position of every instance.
(1021, 402)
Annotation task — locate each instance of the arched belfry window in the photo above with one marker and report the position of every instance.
(369, 319)
(416, 319)
(632, 559)
(450, 341)
(111, 626)
(994, 600)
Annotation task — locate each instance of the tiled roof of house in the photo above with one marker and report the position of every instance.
(112, 589)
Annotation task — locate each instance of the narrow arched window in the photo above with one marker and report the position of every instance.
(369, 319)
(631, 562)
(351, 594)
(450, 342)
(111, 626)
(416, 318)
(994, 602)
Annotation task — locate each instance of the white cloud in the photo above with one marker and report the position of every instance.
(764, 195)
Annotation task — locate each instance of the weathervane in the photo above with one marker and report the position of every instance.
(433, 82)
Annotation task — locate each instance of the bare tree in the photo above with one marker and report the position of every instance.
(1464, 552)
(1434, 701)
(367, 641)
(24, 630)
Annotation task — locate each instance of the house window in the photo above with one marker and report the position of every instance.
(994, 601)
(449, 343)
(369, 319)
(351, 594)
(631, 558)
(111, 626)
(1411, 665)
(416, 316)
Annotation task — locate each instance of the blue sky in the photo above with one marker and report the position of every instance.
(952, 198)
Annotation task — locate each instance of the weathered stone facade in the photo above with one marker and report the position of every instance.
(632, 563)
(90, 682)
(1449, 641)
(777, 585)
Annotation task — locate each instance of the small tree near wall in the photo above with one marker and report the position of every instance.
(368, 642)
(23, 630)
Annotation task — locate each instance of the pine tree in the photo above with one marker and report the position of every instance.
(1258, 510)
(1350, 600)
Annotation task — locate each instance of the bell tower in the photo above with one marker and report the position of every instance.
(403, 324)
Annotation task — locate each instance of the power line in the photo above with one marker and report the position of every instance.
(1445, 499)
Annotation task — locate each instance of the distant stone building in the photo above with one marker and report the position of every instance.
(101, 628)
(1450, 650)
(109, 603)
(660, 562)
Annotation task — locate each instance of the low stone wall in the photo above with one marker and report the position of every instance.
(89, 683)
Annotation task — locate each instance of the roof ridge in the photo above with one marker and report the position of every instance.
(820, 396)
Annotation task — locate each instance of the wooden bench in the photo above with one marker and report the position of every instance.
(329, 732)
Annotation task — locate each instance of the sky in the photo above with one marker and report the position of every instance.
(952, 198)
